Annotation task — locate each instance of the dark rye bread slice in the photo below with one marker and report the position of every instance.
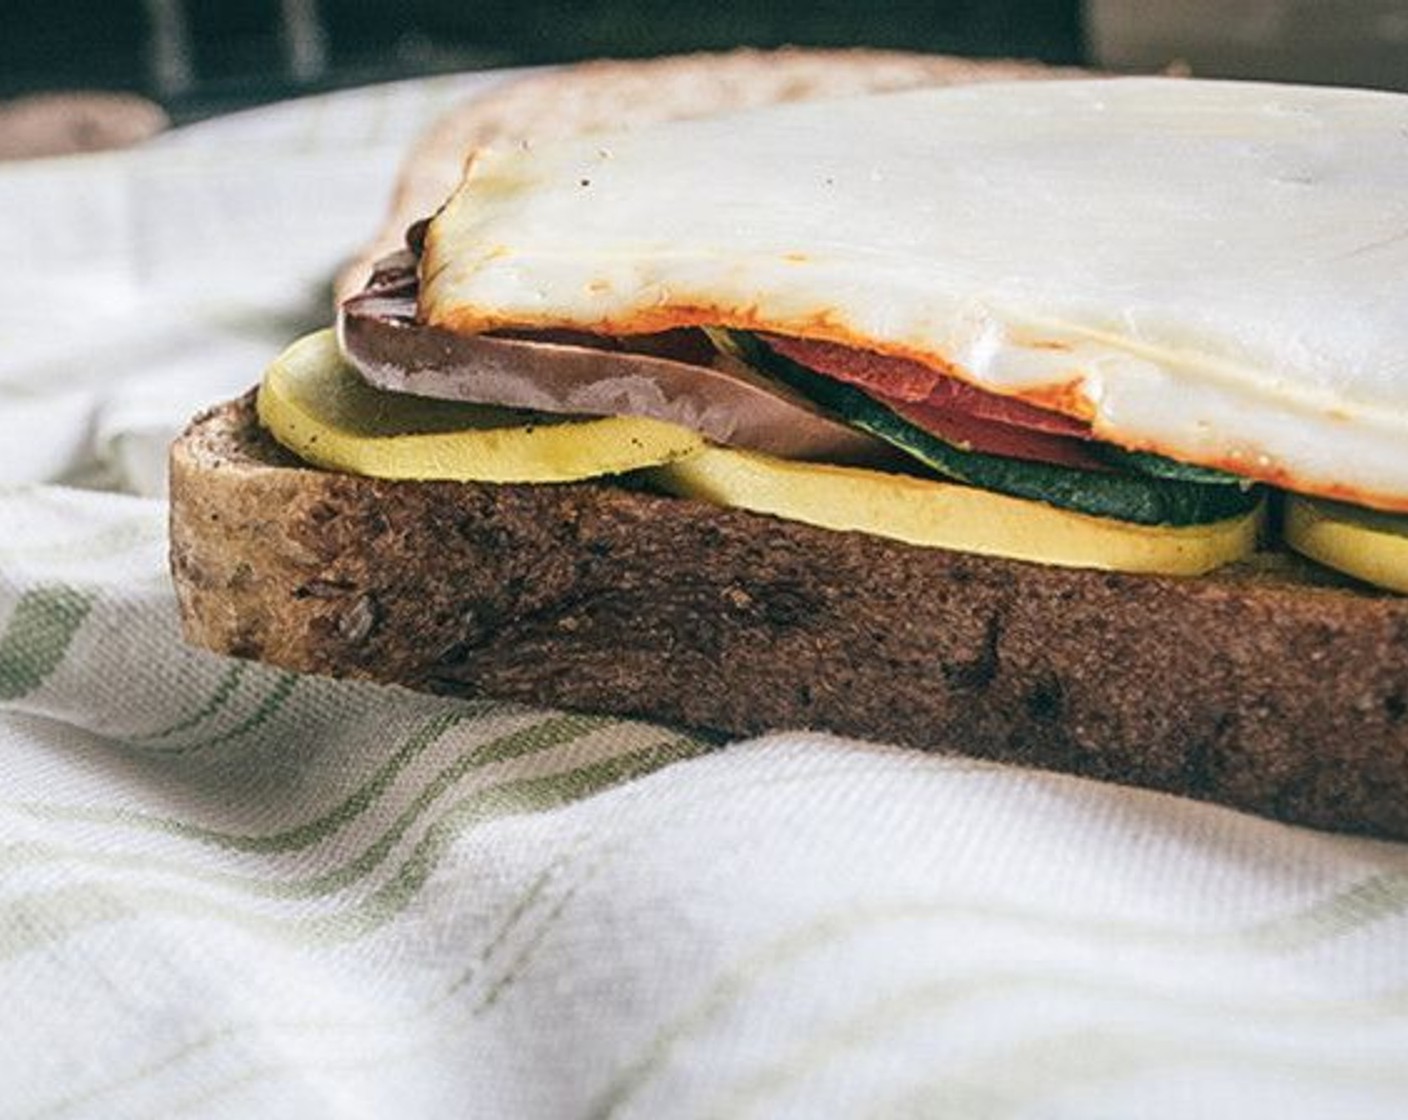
(1259, 688)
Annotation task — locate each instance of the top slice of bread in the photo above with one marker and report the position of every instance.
(609, 96)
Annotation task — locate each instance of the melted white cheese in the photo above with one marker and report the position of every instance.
(1213, 270)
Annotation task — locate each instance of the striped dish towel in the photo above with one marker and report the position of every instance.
(227, 891)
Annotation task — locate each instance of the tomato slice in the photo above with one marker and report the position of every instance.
(975, 433)
(897, 378)
(903, 379)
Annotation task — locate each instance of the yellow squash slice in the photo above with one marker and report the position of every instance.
(947, 515)
(318, 407)
(1362, 543)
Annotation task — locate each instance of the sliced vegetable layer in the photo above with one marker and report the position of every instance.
(953, 516)
(1362, 543)
(1141, 498)
(317, 406)
(907, 380)
(677, 377)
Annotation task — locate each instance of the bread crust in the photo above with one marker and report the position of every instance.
(1271, 688)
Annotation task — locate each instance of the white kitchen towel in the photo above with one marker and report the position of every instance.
(229, 891)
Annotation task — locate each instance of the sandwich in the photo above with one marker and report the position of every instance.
(1053, 422)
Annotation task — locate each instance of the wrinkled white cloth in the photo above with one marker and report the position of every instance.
(228, 891)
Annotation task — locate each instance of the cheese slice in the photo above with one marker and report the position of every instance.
(950, 515)
(1209, 270)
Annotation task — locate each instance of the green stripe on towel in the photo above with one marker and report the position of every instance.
(40, 631)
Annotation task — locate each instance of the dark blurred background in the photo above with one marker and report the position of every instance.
(199, 57)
